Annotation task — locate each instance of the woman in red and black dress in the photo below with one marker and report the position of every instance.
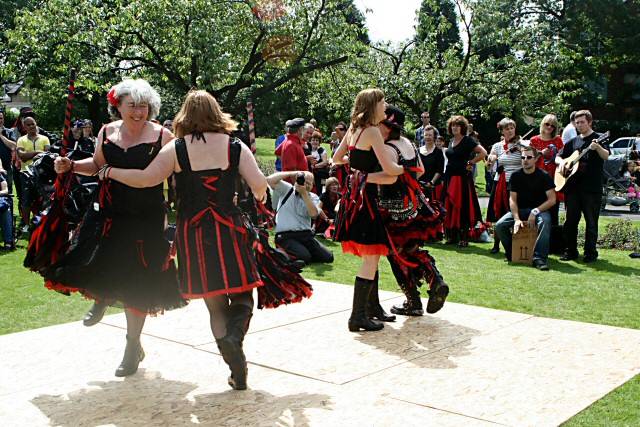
(549, 143)
(460, 199)
(215, 242)
(119, 254)
(432, 158)
(359, 227)
(506, 153)
(411, 220)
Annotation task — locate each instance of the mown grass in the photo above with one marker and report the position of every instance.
(606, 292)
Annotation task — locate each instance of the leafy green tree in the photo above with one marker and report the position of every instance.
(235, 49)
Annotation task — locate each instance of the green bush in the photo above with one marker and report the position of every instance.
(620, 235)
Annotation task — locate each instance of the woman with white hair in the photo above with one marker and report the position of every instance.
(119, 254)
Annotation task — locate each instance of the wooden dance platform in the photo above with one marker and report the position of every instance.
(463, 366)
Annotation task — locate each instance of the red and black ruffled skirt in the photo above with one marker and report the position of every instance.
(359, 225)
(464, 217)
(499, 199)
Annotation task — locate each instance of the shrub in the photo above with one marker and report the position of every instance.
(620, 235)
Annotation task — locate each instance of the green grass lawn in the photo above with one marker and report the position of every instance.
(606, 292)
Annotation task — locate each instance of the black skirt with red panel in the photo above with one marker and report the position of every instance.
(464, 217)
(499, 199)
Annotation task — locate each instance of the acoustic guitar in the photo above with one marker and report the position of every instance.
(573, 162)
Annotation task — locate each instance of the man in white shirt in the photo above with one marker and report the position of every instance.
(569, 131)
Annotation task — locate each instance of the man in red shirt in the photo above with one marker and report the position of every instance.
(290, 151)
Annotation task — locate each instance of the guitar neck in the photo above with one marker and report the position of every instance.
(598, 141)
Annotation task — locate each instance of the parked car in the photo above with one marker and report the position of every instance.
(625, 145)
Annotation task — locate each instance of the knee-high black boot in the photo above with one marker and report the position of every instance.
(374, 309)
(359, 319)
(438, 293)
(231, 344)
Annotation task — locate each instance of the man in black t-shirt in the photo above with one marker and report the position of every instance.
(532, 194)
(583, 191)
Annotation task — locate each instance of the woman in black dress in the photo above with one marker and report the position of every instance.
(119, 254)
(432, 158)
(411, 220)
(359, 227)
(215, 242)
(460, 199)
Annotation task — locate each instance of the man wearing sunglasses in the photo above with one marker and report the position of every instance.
(532, 194)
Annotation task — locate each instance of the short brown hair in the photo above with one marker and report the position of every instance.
(433, 129)
(201, 113)
(316, 135)
(506, 122)
(460, 121)
(364, 107)
(331, 181)
(530, 148)
(586, 114)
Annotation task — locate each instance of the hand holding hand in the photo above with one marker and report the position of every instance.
(62, 164)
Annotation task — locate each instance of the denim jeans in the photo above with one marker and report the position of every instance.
(543, 221)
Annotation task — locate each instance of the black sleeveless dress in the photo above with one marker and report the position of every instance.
(119, 253)
(359, 226)
(215, 243)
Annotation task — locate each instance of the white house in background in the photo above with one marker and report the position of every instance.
(13, 96)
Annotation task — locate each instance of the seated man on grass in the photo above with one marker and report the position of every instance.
(296, 207)
(532, 194)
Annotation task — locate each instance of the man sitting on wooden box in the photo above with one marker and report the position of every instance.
(531, 195)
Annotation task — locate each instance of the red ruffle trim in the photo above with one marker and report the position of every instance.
(359, 249)
(232, 290)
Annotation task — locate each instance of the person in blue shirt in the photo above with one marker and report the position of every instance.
(279, 140)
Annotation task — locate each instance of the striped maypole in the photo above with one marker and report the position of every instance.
(67, 114)
(252, 126)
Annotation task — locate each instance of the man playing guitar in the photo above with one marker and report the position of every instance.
(583, 191)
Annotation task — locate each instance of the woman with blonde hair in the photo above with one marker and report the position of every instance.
(359, 227)
(215, 244)
(549, 143)
(119, 253)
(460, 199)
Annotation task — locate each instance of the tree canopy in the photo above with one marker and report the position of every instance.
(483, 58)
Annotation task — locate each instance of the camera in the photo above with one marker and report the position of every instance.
(300, 179)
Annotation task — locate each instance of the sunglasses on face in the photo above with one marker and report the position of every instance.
(526, 157)
(550, 125)
(341, 129)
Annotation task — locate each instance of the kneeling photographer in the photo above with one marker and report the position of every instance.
(296, 207)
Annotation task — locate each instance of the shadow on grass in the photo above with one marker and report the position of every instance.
(156, 401)
(605, 266)
(426, 341)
